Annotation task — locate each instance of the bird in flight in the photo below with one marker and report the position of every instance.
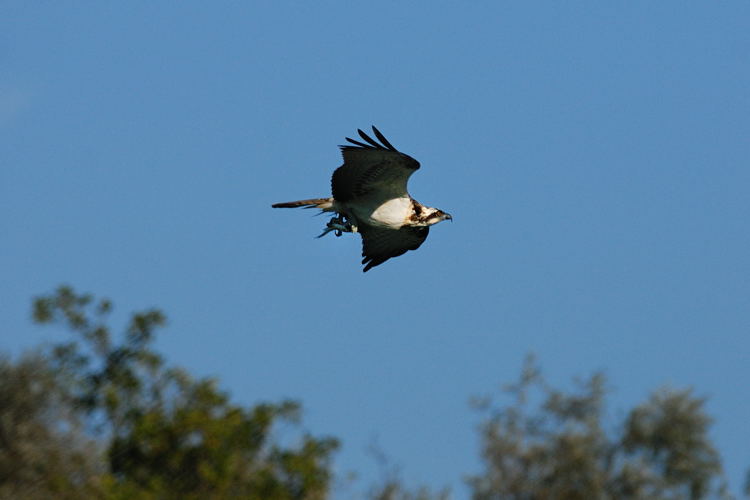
(370, 198)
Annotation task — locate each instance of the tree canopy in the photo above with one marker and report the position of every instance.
(159, 432)
(548, 443)
(103, 415)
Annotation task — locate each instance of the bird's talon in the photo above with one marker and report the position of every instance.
(337, 225)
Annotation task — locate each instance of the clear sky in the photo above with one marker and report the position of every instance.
(595, 157)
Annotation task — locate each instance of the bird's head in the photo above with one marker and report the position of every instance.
(434, 215)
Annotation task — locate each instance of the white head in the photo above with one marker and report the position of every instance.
(429, 216)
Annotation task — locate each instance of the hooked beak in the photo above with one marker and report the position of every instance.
(449, 217)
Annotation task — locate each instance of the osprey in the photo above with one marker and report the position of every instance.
(370, 198)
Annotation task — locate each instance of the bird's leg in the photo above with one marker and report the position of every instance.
(331, 226)
(337, 224)
(350, 228)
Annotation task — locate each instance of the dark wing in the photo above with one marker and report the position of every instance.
(380, 244)
(371, 167)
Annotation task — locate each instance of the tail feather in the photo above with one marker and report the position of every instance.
(322, 203)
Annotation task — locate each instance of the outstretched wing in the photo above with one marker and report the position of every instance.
(372, 168)
(380, 244)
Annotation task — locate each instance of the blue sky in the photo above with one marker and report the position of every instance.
(595, 157)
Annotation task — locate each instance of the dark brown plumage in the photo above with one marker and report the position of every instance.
(370, 196)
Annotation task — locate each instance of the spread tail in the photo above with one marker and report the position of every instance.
(325, 204)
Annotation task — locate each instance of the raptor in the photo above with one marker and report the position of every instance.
(370, 197)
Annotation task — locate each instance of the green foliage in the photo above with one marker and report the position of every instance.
(43, 451)
(105, 416)
(166, 434)
(562, 450)
(669, 431)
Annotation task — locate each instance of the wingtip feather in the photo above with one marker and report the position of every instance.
(360, 144)
(382, 139)
(368, 139)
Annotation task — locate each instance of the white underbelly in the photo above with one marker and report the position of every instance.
(391, 213)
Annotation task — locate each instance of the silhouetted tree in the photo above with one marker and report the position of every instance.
(43, 451)
(166, 434)
(104, 416)
(552, 444)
